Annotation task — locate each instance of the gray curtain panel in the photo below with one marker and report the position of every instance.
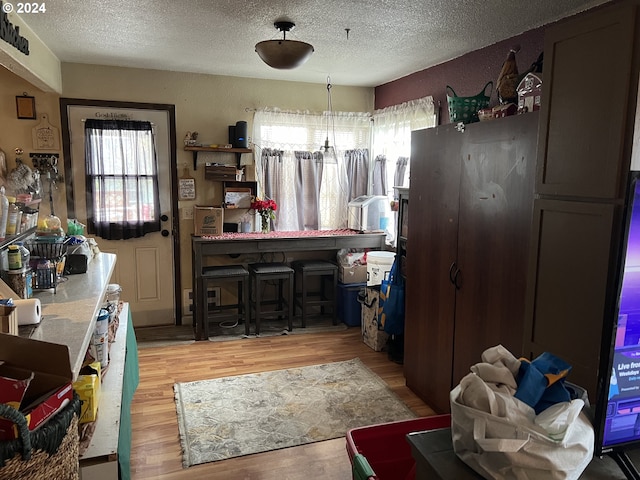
(309, 167)
(357, 163)
(401, 168)
(272, 165)
(380, 175)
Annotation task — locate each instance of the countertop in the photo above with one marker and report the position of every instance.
(69, 315)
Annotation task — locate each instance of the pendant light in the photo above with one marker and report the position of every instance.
(284, 54)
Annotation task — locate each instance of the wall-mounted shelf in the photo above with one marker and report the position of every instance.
(237, 151)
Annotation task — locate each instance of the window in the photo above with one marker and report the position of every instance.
(122, 179)
(309, 183)
(392, 129)
(295, 170)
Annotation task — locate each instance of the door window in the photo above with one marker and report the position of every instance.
(122, 179)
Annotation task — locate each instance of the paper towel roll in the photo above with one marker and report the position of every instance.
(29, 311)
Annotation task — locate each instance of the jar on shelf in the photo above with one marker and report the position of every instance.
(15, 257)
(112, 299)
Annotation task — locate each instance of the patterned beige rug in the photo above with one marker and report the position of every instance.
(234, 416)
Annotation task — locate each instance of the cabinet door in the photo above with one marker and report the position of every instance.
(588, 92)
(496, 200)
(432, 245)
(571, 289)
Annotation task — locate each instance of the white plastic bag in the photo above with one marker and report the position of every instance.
(501, 448)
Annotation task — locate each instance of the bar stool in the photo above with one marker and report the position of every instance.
(325, 271)
(227, 273)
(264, 272)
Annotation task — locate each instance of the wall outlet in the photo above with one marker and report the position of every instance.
(187, 213)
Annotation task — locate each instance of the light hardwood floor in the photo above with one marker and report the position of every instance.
(156, 450)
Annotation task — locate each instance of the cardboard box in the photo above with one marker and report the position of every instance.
(352, 274)
(376, 339)
(207, 220)
(222, 173)
(49, 391)
(87, 386)
(8, 320)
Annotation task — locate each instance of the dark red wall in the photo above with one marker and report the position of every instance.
(466, 74)
(469, 73)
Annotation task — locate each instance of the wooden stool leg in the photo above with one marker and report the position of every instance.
(204, 305)
(258, 307)
(246, 306)
(280, 304)
(291, 302)
(303, 300)
(334, 285)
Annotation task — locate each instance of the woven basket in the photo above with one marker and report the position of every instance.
(465, 109)
(49, 452)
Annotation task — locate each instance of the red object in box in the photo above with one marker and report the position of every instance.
(386, 448)
(49, 390)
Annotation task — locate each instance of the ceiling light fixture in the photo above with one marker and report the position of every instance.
(284, 54)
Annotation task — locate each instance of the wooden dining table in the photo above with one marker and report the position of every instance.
(235, 244)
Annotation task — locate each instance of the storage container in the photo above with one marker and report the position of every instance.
(348, 308)
(112, 299)
(386, 448)
(378, 266)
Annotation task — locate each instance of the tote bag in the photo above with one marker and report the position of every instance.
(497, 448)
(391, 304)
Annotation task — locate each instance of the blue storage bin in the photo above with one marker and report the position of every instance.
(348, 308)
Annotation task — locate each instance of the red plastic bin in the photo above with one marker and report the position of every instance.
(386, 448)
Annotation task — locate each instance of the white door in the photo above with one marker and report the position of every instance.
(145, 265)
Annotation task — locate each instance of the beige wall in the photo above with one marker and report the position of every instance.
(16, 133)
(207, 104)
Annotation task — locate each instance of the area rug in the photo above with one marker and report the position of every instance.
(241, 415)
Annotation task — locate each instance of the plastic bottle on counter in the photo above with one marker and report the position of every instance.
(25, 254)
(12, 218)
(4, 212)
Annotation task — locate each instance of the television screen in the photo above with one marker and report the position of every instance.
(620, 422)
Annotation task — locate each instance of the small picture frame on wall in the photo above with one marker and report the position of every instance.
(26, 107)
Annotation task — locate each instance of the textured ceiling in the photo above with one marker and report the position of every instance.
(387, 39)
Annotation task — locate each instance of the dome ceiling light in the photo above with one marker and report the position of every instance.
(284, 54)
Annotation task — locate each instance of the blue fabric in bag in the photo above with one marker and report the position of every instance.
(391, 303)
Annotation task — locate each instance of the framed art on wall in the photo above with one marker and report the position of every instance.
(26, 107)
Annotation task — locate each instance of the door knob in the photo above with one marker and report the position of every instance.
(164, 218)
(165, 233)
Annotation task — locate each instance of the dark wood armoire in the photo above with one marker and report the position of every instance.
(471, 196)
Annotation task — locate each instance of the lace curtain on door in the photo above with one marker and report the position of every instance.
(310, 185)
(122, 179)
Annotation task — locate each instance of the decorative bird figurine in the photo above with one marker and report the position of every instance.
(508, 78)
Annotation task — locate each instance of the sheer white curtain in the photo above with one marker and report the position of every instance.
(285, 141)
(392, 127)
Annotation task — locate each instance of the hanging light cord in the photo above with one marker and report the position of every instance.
(330, 110)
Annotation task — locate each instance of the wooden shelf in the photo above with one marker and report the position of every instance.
(237, 151)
